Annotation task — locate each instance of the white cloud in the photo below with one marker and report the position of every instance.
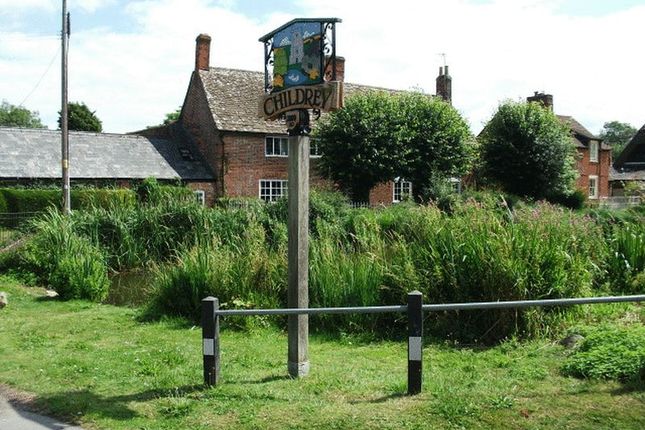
(89, 6)
(504, 49)
(14, 5)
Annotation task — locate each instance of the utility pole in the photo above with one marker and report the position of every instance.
(63, 123)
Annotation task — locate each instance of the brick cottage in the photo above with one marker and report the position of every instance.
(593, 156)
(247, 154)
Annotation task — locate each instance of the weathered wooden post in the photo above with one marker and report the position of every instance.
(298, 254)
(415, 342)
(210, 340)
(299, 75)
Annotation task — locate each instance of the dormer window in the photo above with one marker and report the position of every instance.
(593, 151)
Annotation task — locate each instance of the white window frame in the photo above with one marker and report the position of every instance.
(401, 183)
(200, 195)
(266, 188)
(314, 149)
(593, 190)
(593, 151)
(455, 184)
(282, 151)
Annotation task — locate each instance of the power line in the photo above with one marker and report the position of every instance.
(41, 78)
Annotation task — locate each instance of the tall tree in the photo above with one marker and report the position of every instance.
(81, 118)
(379, 136)
(617, 134)
(527, 150)
(17, 116)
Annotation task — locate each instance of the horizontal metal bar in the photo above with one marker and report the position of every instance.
(434, 307)
(532, 303)
(314, 311)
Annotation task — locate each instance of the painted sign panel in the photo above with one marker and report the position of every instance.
(324, 97)
(297, 56)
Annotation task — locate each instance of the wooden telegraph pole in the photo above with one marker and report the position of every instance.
(294, 84)
(63, 112)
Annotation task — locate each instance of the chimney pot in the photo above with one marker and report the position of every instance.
(444, 85)
(544, 99)
(202, 52)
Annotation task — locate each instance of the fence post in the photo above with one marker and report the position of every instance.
(210, 340)
(415, 341)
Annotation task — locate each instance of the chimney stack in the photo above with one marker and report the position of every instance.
(340, 69)
(545, 100)
(202, 52)
(444, 85)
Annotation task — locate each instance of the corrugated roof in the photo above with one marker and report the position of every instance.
(36, 153)
(234, 96)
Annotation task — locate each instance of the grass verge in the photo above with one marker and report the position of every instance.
(96, 365)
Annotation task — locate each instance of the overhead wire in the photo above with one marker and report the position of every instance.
(51, 62)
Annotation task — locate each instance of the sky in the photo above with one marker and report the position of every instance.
(131, 61)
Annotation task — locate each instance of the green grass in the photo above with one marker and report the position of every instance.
(98, 366)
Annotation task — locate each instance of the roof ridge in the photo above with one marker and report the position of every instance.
(77, 132)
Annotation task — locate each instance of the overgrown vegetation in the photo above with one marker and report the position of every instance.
(483, 248)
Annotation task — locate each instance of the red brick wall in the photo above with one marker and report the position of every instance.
(208, 188)
(197, 120)
(601, 169)
(382, 194)
(245, 164)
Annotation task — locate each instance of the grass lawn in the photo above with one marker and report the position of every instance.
(97, 366)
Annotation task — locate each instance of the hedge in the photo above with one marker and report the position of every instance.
(15, 200)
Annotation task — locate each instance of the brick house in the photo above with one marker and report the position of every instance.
(593, 156)
(247, 154)
(629, 167)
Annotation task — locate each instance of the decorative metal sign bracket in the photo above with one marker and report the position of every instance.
(300, 67)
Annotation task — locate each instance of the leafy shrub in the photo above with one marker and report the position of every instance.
(609, 353)
(573, 200)
(150, 191)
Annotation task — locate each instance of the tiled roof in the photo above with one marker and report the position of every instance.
(579, 130)
(234, 97)
(36, 153)
(630, 175)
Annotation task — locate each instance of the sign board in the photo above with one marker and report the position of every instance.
(300, 68)
(325, 97)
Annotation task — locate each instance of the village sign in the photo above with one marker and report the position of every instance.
(300, 69)
(299, 76)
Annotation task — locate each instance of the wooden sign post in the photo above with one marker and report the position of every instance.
(299, 75)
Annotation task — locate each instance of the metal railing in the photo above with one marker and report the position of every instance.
(10, 223)
(619, 202)
(211, 314)
(13, 220)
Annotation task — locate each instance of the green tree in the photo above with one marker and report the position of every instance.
(17, 116)
(81, 118)
(617, 134)
(527, 150)
(379, 136)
